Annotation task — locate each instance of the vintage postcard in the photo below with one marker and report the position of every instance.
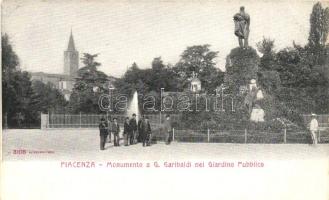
(170, 99)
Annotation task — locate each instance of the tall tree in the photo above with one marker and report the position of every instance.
(133, 79)
(319, 25)
(150, 79)
(162, 76)
(157, 64)
(16, 86)
(89, 84)
(44, 99)
(196, 59)
(10, 60)
(268, 77)
(201, 60)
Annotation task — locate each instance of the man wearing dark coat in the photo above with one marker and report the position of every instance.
(116, 131)
(133, 127)
(168, 130)
(103, 132)
(109, 128)
(146, 132)
(139, 127)
(127, 132)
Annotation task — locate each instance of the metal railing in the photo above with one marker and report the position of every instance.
(92, 120)
(322, 119)
(54, 121)
(243, 136)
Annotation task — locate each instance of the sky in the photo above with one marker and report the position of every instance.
(123, 32)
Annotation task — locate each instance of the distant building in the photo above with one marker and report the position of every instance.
(63, 82)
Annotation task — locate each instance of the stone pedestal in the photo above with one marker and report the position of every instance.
(257, 115)
(241, 67)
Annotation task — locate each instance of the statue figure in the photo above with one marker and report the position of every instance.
(257, 114)
(241, 24)
(250, 99)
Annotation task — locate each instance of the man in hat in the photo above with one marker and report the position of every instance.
(127, 132)
(168, 129)
(103, 132)
(109, 128)
(116, 131)
(140, 130)
(314, 126)
(146, 132)
(133, 128)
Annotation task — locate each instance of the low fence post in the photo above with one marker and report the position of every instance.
(245, 136)
(285, 135)
(173, 134)
(48, 125)
(208, 134)
(80, 119)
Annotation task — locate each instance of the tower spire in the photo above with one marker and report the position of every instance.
(71, 46)
(71, 58)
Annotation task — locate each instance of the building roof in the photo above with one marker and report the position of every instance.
(59, 76)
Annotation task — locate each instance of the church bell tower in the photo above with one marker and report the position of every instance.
(71, 59)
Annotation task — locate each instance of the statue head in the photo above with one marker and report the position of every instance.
(252, 81)
(242, 9)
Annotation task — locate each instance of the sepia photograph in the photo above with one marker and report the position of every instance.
(149, 97)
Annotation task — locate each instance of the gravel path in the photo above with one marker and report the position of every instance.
(69, 144)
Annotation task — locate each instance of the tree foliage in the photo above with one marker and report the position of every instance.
(89, 85)
(16, 86)
(319, 25)
(150, 79)
(22, 99)
(46, 98)
(200, 60)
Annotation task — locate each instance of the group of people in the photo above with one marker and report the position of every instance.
(133, 132)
